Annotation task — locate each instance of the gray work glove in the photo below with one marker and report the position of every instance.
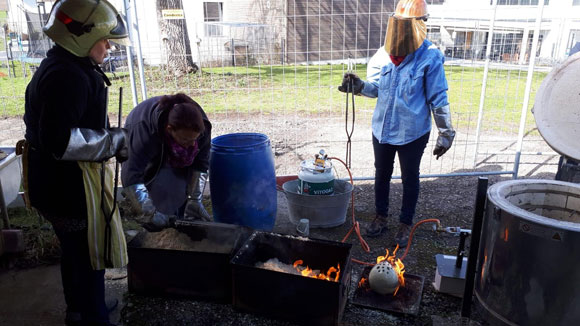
(96, 145)
(160, 220)
(139, 198)
(442, 118)
(357, 84)
(194, 208)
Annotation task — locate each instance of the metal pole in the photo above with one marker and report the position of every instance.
(423, 176)
(480, 199)
(7, 56)
(139, 52)
(484, 82)
(4, 208)
(528, 87)
(233, 53)
(130, 54)
(460, 250)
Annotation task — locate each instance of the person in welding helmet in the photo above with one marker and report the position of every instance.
(408, 80)
(166, 173)
(69, 144)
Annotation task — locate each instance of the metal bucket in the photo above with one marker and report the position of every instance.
(323, 211)
(528, 272)
(10, 176)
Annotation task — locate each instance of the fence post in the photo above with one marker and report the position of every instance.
(484, 82)
(531, 66)
(233, 53)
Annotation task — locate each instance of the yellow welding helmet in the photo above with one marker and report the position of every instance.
(406, 29)
(77, 25)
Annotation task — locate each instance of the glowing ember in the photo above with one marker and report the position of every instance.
(362, 282)
(332, 274)
(397, 264)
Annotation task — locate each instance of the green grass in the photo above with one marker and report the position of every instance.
(310, 89)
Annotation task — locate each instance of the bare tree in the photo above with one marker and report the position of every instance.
(175, 40)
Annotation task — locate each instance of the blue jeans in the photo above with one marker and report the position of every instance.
(409, 159)
(84, 287)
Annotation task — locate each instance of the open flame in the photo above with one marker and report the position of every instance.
(362, 282)
(332, 274)
(397, 264)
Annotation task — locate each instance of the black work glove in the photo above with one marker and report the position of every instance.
(439, 151)
(120, 139)
(357, 84)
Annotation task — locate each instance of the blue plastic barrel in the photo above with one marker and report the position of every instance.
(243, 180)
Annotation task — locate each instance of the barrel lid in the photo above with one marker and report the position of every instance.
(557, 108)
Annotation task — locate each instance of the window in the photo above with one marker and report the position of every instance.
(213, 12)
(576, 2)
(521, 2)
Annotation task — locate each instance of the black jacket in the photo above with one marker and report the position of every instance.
(65, 92)
(147, 149)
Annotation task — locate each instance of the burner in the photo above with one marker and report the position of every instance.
(406, 301)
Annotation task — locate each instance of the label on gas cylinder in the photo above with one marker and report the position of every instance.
(317, 188)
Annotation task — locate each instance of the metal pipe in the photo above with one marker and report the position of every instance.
(130, 56)
(139, 52)
(521, 153)
(528, 87)
(460, 250)
(465, 174)
(480, 199)
(484, 82)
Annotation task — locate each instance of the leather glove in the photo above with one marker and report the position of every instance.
(120, 139)
(194, 208)
(139, 199)
(357, 84)
(442, 118)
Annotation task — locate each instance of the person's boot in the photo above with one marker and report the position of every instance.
(402, 235)
(377, 227)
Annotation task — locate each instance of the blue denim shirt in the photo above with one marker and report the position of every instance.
(406, 93)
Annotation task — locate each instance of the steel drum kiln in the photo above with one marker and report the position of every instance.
(528, 272)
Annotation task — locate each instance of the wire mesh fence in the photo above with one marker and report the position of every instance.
(273, 66)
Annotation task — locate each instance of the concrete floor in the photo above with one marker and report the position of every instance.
(34, 297)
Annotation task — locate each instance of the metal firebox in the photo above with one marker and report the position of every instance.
(287, 296)
(528, 271)
(406, 301)
(203, 273)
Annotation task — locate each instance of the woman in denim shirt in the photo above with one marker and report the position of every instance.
(408, 80)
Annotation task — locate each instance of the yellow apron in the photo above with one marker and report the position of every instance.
(96, 218)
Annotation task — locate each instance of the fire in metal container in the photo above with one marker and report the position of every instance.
(387, 275)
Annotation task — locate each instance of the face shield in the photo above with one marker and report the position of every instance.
(119, 33)
(405, 35)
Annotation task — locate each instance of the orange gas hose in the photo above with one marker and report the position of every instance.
(434, 220)
(355, 224)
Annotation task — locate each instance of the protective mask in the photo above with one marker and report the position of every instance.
(404, 35)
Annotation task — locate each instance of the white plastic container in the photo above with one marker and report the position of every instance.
(316, 180)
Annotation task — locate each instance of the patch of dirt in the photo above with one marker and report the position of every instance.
(449, 199)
